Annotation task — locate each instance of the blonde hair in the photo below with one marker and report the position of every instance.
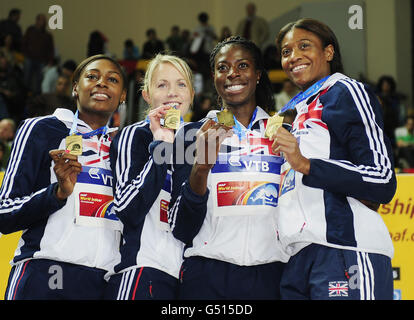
(177, 62)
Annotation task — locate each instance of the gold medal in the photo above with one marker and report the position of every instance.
(74, 144)
(172, 119)
(273, 123)
(225, 117)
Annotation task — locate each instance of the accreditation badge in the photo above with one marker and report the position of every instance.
(74, 144)
(245, 184)
(94, 199)
(164, 200)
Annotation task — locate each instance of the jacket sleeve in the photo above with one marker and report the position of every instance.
(26, 195)
(361, 160)
(187, 210)
(139, 172)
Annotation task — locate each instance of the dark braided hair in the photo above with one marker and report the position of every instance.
(264, 89)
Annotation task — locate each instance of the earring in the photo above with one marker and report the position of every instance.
(122, 105)
(74, 94)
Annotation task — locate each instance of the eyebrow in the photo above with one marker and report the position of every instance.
(97, 70)
(304, 39)
(169, 80)
(225, 61)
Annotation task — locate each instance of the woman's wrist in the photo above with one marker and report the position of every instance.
(198, 178)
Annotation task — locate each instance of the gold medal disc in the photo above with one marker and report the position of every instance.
(172, 119)
(273, 123)
(225, 117)
(74, 144)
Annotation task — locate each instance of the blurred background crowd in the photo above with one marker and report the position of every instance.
(34, 80)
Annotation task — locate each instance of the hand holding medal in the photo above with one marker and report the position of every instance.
(209, 138)
(284, 141)
(66, 168)
(165, 132)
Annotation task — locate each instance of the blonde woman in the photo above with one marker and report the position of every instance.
(150, 255)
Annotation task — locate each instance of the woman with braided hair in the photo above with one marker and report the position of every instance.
(222, 205)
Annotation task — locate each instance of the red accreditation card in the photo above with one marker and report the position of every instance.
(94, 205)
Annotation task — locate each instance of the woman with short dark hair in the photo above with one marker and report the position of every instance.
(57, 189)
(339, 167)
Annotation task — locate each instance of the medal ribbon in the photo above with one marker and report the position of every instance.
(239, 129)
(73, 130)
(304, 95)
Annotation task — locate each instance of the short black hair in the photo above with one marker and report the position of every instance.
(390, 80)
(14, 12)
(79, 69)
(264, 90)
(203, 17)
(70, 65)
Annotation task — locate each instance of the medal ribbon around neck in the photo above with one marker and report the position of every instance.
(304, 95)
(73, 130)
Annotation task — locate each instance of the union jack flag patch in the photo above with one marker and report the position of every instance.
(338, 289)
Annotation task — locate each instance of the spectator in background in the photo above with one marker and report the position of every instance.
(38, 50)
(7, 133)
(225, 33)
(289, 90)
(405, 143)
(153, 45)
(390, 119)
(51, 76)
(253, 27)
(203, 42)
(11, 26)
(131, 51)
(186, 38)
(12, 91)
(271, 58)
(175, 41)
(387, 92)
(202, 105)
(2, 152)
(97, 43)
(7, 50)
(47, 103)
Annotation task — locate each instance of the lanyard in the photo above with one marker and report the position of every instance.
(304, 95)
(101, 130)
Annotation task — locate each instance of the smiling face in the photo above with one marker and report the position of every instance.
(100, 89)
(304, 59)
(235, 76)
(168, 87)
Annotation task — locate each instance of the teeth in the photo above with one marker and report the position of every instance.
(299, 68)
(100, 95)
(235, 87)
(173, 104)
